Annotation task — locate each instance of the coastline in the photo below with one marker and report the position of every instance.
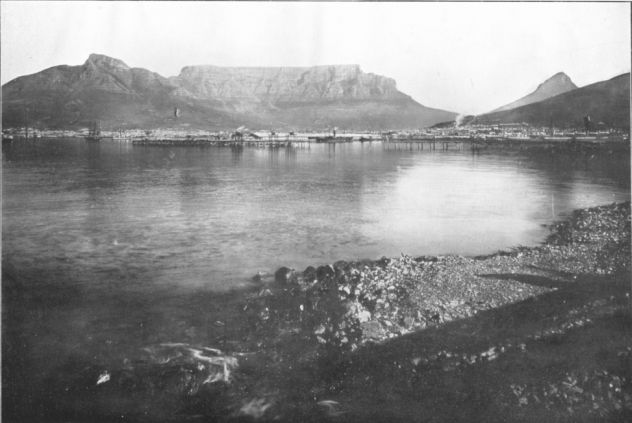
(532, 333)
(394, 296)
(391, 324)
(448, 287)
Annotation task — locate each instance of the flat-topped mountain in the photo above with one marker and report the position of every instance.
(108, 90)
(283, 85)
(606, 101)
(555, 85)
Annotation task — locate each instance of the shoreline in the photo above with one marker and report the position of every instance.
(366, 284)
(511, 336)
(579, 140)
(356, 316)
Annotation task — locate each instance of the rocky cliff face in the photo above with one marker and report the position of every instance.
(107, 89)
(286, 85)
(555, 85)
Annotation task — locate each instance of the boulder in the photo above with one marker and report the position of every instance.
(284, 275)
(341, 266)
(383, 262)
(309, 274)
(325, 272)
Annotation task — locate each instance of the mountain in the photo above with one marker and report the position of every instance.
(557, 84)
(107, 90)
(605, 101)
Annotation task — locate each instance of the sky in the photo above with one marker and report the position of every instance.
(464, 57)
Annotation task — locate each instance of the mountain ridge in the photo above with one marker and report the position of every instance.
(555, 85)
(605, 101)
(107, 89)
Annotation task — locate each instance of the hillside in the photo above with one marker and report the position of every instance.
(108, 90)
(605, 101)
(555, 85)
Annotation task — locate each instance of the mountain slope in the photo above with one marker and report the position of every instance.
(606, 101)
(108, 90)
(555, 85)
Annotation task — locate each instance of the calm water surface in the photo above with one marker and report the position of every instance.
(107, 248)
(138, 216)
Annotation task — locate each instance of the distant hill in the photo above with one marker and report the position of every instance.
(107, 90)
(605, 101)
(555, 85)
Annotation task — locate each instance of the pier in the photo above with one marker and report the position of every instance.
(205, 142)
(480, 143)
(250, 142)
(390, 142)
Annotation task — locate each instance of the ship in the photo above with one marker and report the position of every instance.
(94, 134)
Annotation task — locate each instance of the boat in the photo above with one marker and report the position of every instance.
(94, 134)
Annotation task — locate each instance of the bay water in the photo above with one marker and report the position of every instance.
(107, 247)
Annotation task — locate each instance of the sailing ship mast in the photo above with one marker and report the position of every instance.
(26, 123)
(94, 134)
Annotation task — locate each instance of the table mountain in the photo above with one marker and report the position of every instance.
(107, 90)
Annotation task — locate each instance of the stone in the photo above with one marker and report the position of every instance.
(256, 408)
(364, 316)
(325, 272)
(320, 330)
(345, 289)
(284, 275)
(383, 262)
(340, 268)
(372, 330)
(309, 274)
(408, 321)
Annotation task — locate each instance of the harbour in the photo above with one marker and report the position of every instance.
(152, 253)
(406, 212)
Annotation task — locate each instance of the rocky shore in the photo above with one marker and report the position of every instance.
(363, 340)
(342, 322)
(348, 304)
(532, 333)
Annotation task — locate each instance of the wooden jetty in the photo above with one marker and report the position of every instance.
(209, 142)
(481, 143)
(252, 142)
(427, 143)
(420, 143)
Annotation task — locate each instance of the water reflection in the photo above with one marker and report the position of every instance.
(212, 217)
(237, 152)
(109, 248)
